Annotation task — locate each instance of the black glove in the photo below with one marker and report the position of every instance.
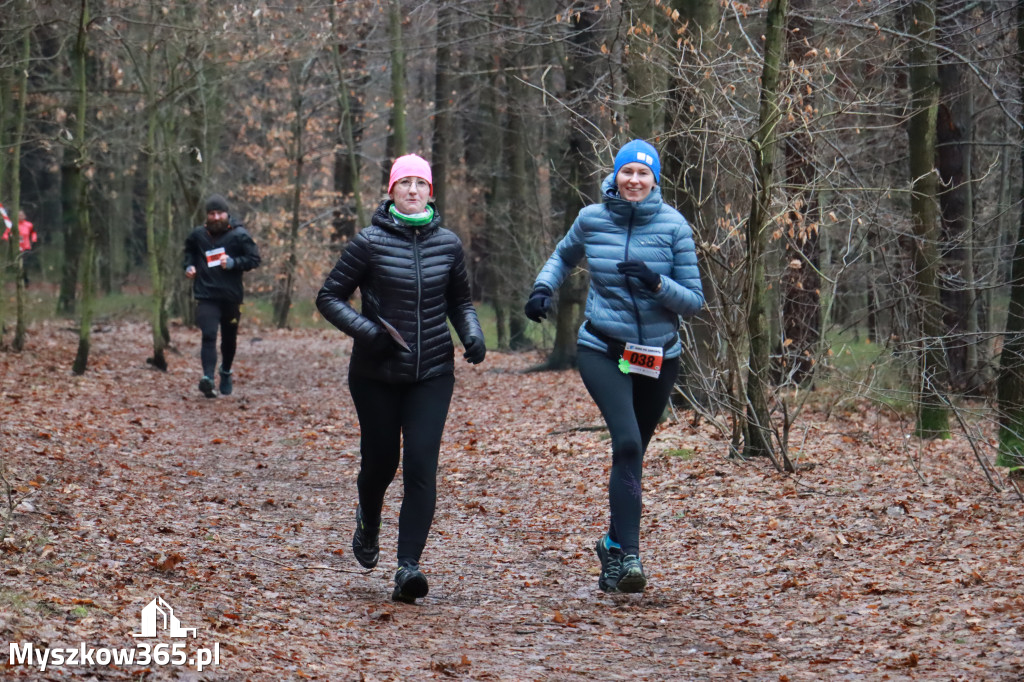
(539, 304)
(475, 350)
(382, 345)
(639, 269)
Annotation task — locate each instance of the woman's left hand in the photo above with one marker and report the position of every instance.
(475, 350)
(639, 270)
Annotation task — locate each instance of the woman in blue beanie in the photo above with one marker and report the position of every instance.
(643, 277)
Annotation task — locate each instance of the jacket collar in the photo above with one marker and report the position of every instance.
(383, 219)
(640, 211)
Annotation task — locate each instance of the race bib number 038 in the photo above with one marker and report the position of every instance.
(645, 360)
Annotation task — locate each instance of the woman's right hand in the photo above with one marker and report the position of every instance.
(539, 304)
(382, 345)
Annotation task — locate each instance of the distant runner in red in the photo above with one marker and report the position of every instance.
(411, 273)
(26, 238)
(643, 278)
(217, 253)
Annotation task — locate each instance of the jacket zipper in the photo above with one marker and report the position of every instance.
(629, 280)
(419, 296)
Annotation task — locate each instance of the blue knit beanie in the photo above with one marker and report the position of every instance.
(638, 151)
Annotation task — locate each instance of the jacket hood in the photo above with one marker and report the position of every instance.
(641, 210)
(383, 219)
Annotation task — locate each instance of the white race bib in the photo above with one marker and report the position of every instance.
(214, 257)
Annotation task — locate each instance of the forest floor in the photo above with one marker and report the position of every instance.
(885, 558)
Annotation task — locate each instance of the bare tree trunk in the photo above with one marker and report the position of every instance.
(523, 220)
(765, 140)
(1011, 361)
(8, 251)
(347, 178)
(201, 134)
(583, 184)
(88, 289)
(19, 134)
(397, 141)
(644, 110)
(688, 185)
(952, 128)
(933, 414)
(159, 360)
(493, 243)
(88, 256)
(444, 117)
(801, 282)
(285, 282)
(977, 342)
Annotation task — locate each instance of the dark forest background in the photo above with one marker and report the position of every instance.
(851, 168)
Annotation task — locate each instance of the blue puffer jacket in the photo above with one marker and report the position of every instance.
(618, 306)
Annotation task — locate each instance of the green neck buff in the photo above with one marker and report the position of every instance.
(418, 220)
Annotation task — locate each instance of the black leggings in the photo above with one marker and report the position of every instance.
(632, 405)
(210, 315)
(389, 414)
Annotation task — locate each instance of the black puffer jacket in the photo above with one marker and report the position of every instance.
(414, 279)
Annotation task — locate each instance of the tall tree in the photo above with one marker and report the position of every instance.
(801, 281)
(765, 140)
(300, 74)
(8, 250)
(22, 66)
(80, 183)
(347, 167)
(644, 80)
(953, 130)
(1011, 361)
(155, 256)
(398, 143)
(933, 414)
(522, 214)
(689, 183)
(202, 93)
(444, 117)
(73, 179)
(581, 171)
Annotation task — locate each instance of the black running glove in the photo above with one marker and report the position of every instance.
(539, 304)
(382, 345)
(639, 270)
(475, 350)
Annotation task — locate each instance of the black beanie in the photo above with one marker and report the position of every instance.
(217, 203)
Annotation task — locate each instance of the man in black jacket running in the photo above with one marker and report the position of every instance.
(217, 253)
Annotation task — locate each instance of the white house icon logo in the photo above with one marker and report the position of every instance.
(158, 614)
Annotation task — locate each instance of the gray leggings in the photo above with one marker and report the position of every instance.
(632, 405)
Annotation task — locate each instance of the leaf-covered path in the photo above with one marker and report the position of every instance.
(886, 560)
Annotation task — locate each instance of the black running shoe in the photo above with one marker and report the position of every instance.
(366, 542)
(225, 382)
(631, 578)
(206, 386)
(410, 584)
(611, 566)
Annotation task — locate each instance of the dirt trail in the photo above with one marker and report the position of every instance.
(238, 511)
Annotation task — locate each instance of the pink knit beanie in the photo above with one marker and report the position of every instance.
(412, 166)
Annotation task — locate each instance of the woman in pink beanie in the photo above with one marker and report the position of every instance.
(410, 166)
(411, 274)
